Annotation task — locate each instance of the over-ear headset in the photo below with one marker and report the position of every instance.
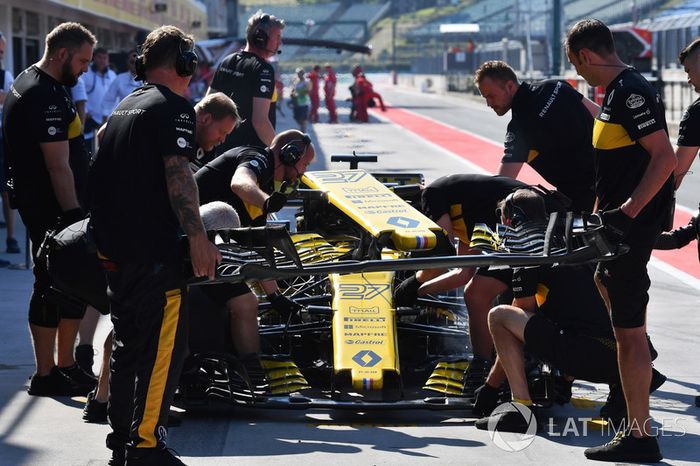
(512, 211)
(185, 63)
(291, 152)
(259, 36)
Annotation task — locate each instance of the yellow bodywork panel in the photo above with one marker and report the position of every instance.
(364, 328)
(375, 207)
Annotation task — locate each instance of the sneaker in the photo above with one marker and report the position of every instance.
(81, 377)
(615, 407)
(475, 375)
(485, 400)
(626, 448)
(94, 412)
(151, 457)
(12, 246)
(118, 458)
(506, 421)
(55, 384)
(85, 357)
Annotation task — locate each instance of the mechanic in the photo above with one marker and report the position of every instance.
(45, 160)
(97, 80)
(248, 178)
(688, 145)
(216, 116)
(329, 82)
(634, 193)
(138, 219)
(314, 78)
(558, 316)
(550, 130)
(8, 212)
(363, 96)
(456, 203)
(249, 80)
(121, 86)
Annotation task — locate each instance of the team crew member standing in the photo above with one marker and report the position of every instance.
(45, 151)
(143, 198)
(688, 145)
(6, 80)
(634, 188)
(314, 78)
(246, 178)
(249, 80)
(329, 81)
(550, 130)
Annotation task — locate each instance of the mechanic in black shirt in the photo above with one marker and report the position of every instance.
(688, 145)
(456, 203)
(217, 116)
(557, 315)
(249, 179)
(144, 198)
(249, 80)
(634, 189)
(45, 163)
(550, 130)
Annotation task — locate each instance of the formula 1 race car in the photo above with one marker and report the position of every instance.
(354, 238)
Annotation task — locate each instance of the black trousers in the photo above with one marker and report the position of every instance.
(147, 303)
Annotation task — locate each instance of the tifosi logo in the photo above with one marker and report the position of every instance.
(363, 310)
(366, 358)
(352, 291)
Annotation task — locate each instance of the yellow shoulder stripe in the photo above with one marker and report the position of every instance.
(608, 136)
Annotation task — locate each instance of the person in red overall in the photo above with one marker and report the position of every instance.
(363, 95)
(329, 82)
(314, 77)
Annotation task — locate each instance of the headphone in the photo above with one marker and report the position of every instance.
(512, 211)
(259, 36)
(185, 62)
(291, 153)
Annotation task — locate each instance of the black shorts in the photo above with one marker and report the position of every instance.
(503, 275)
(583, 357)
(222, 292)
(627, 282)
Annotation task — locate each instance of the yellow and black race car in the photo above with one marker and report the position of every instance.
(353, 241)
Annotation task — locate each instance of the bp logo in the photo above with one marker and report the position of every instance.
(510, 441)
(403, 222)
(366, 358)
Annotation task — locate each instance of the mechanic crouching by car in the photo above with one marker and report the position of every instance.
(456, 203)
(139, 217)
(558, 316)
(249, 179)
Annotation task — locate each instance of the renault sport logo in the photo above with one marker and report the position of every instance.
(366, 358)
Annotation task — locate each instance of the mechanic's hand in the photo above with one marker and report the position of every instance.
(205, 256)
(69, 217)
(406, 294)
(616, 223)
(274, 203)
(287, 308)
(485, 400)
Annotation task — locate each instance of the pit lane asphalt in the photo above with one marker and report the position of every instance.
(48, 431)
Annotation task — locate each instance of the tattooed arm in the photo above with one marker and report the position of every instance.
(184, 199)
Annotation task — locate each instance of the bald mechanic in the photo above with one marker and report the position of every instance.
(249, 179)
